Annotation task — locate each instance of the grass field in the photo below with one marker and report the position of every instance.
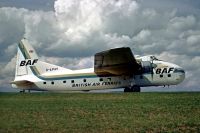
(118, 112)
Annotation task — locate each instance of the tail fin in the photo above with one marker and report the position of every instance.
(29, 69)
(26, 56)
(29, 64)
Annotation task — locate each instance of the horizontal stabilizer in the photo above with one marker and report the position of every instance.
(22, 83)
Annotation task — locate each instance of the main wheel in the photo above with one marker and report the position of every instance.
(132, 89)
(126, 89)
(136, 88)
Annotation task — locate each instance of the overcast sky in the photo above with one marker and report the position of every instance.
(70, 32)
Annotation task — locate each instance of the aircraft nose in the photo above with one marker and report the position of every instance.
(181, 74)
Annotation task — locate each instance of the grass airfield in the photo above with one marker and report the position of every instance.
(99, 112)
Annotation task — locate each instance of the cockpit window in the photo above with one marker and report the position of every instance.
(154, 58)
(179, 70)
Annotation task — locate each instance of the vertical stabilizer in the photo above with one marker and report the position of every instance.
(29, 69)
(27, 50)
(26, 56)
(29, 64)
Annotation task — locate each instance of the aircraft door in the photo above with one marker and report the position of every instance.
(147, 67)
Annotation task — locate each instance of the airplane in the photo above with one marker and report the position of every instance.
(113, 69)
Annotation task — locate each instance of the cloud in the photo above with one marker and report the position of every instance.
(44, 5)
(182, 23)
(71, 34)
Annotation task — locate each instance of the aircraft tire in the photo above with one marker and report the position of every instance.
(135, 89)
(127, 89)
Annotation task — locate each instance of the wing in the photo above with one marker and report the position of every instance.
(119, 61)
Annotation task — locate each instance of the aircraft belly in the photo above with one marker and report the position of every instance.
(155, 80)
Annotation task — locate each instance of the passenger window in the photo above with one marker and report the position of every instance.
(44, 82)
(169, 75)
(64, 81)
(84, 80)
(72, 81)
(109, 79)
(101, 79)
(52, 82)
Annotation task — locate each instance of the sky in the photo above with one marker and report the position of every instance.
(69, 32)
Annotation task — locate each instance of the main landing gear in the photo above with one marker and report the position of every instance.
(132, 89)
(23, 91)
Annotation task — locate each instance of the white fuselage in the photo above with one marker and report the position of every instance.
(86, 79)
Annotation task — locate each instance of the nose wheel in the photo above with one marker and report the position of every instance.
(132, 89)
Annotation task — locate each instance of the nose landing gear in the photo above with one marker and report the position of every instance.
(23, 91)
(132, 89)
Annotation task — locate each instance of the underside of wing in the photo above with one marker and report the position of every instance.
(119, 61)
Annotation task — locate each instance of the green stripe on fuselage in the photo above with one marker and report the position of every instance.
(24, 51)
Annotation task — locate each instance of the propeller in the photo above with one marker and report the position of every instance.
(152, 59)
